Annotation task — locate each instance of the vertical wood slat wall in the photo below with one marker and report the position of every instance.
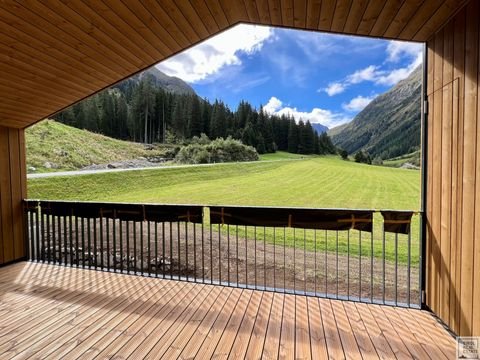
(12, 192)
(453, 185)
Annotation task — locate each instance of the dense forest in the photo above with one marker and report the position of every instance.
(139, 110)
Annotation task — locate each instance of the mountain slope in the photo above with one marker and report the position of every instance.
(389, 126)
(319, 128)
(169, 83)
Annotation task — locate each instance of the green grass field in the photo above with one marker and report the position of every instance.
(323, 182)
(327, 182)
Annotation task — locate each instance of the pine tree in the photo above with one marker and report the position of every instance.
(292, 137)
(195, 122)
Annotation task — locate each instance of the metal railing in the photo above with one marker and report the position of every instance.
(345, 254)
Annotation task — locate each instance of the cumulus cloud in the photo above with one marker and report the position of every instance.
(358, 103)
(212, 55)
(335, 88)
(395, 51)
(316, 115)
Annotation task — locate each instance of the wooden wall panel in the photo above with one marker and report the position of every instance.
(453, 200)
(12, 192)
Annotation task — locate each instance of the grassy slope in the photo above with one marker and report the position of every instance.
(314, 182)
(70, 148)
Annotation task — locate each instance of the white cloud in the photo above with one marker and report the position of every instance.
(358, 103)
(367, 74)
(335, 88)
(396, 51)
(212, 55)
(316, 115)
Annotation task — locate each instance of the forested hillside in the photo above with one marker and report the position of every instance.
(389, 126)
(153, 107)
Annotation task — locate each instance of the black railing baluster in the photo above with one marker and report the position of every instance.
(383, 260)
(371, 266)
(274, 258)
(255, 254)
(228, 254)
(121, 245)
(396, 269)
(236, 239)
(163, 249)
(284, 259)
(246, 258)
(211, 254)
(409, 244)
(149, 256)
(326, 262)
(95, 248)
(186, 249)
(294, 262)
(315, 261)
(195, 252)
(265, 257)
(37, 233)
(336, 266)
(156, 248)
(141, 251)
(127, 247)
(360, 264)
(203, 251)
(107, 236)
(102, 264)
(348, 264)
(89, 239)
(219, 254)
(179, 251)
(171, 250)
(305, 260)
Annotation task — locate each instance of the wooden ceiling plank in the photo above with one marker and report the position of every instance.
(26, 54)
(313, 14)
(154, 40)
(181, 22)
(33, 66)
(13, 124)
(218, 14)
(420, 18)
(404, 14)
(111, 23)
(386, 16)
(300, 14)
(54, 13)
(372, 12)
(18, 80)
(151, 22)
(192, 17)
(287, 12)
(42, 35)
(163, 18)
(104, 29)
(21, 98)
(275, 12)
(234, 10)
(14, 117)
(47, 51)
(442, 15)
(204, 13)
(12, 108)
(252, 11)
(326, 15)
(341, 14)
(356, 15)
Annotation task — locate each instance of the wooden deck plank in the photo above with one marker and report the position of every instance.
(205, 345)
(334, 344)
(240, 345)
(257, 340)
(287, 339)
(81, 313)
(365, 344)
(345, 331)
(272, 338)
(302, 329)
(178, 340)
(317, 332)
(94, 330)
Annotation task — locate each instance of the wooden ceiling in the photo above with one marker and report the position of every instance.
(55, 53)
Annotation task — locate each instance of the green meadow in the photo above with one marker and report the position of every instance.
(280, 180)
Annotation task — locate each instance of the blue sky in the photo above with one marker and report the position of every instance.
(319, 77)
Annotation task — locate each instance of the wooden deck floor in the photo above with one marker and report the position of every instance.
(55, 312)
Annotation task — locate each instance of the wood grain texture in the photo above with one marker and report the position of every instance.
(51, 311)
(453, 158)
(12, 193)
